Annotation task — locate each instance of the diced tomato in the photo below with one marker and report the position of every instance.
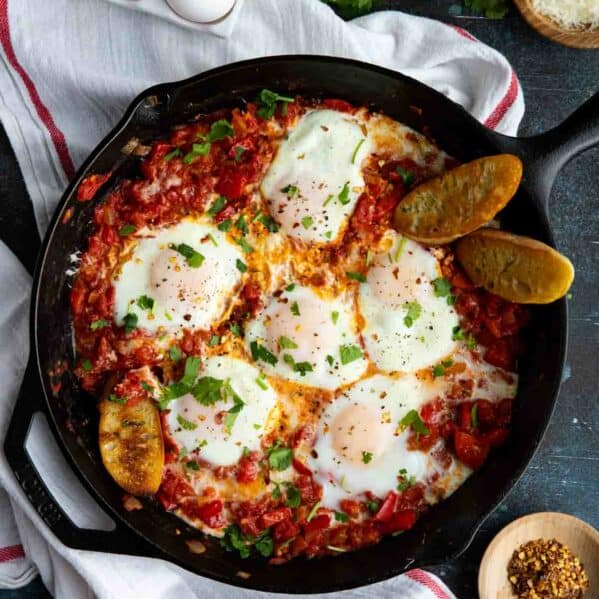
(310, 491)
(172, 490)
(78, 295)
(465, 415)
(485, 412)
(351, 507)
(496, 437)
(274, 516)
(301, 467)
(248, 469)
(211, 513)
(387, 507)
(470, 450)
(401, 520)
(503, 412)
(89, 186)
(317, 523)
(231, 183)
(386, 205)
(340, 105)
(284, 530)
(499, 355)
(249, 526)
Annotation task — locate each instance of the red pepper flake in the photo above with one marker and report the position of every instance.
(89, 186)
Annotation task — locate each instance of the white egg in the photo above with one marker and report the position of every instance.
(313, 183)
(181, 295)
(407, 327)
(194, 425)
(302, 328)
(360, 446)
(201, 11)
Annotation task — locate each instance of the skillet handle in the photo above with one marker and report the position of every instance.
(544, 155)
(30, 401)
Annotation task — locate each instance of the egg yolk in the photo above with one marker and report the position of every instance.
(360, 434)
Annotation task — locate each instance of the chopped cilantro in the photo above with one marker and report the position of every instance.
(341, 517)
(127, 230)
(442, 287)
(175, 353)
(225, 225)
(287, 343)
(295, 309)
(280, 458)
(404, 481)
(86, 365)
(268, 221)
(366, 457)
(172, 154)
(197, 150)
(457, 334)
(98, 324)
(414, 310)
(344, 194)
(235, 329)
(241, 225)
(330, 360)
(259, 352)
(239, 150)
(241, 266)
(235, 540)
(208, 390)
(186, 424)
(290, 287)
(438, 370)
(356, 150)
(192, 465)
(244, 245)
(372, 506)
(217, 206)
(238, 405)
(470, 341)
(145, 302)
(330, 198)
(214, 340)
(406, 175)
(307, 222)
(334, 316)
(268, 103)
(117, 399)
(349, 353)
(290, 190)
(130, 322)
(219, 130)
(294, 497)
(413, 420)
(356, 276)
(261, 382)
(193, 258)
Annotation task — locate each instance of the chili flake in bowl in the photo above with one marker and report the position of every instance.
(546, 569)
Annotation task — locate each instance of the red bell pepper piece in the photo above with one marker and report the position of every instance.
(470, 450)
(318, 523)
(278, 515)
(387, 507)
(301, 468)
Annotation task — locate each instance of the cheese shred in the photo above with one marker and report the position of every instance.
(570, 14)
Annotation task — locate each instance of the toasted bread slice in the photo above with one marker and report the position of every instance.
(459, 201)
(516, 268)
(131, 444)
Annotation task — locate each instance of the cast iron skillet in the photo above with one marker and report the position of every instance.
(447, 529)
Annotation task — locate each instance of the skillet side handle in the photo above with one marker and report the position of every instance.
(547, 153)
(29, 402)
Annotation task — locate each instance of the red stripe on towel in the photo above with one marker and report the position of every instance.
(56, 135)
(7, 554)
(426, 580)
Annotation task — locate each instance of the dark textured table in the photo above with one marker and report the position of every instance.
(564, 475)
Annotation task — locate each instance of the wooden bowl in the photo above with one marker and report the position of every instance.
(584, 38)
(581, 538)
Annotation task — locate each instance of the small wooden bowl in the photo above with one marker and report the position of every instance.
(581, 538)
(584, 38)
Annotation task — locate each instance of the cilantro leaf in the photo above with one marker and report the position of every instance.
(442, 287)
(280, 458)
(259, 352)
(98, 324)
(366, 457)
(130, 322)
(186, 424)
(145, 302)
(207, 390)
(219, 130)
(193, 258)
(268, 100)
(197, 150)
(414, 310)
(349, 353)
(493, 9)
(217, 206)
(294, 497)
(287, 343)
(343, 196)
(413, 420)
(127, 230)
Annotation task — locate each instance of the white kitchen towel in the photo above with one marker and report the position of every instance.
(68, 70)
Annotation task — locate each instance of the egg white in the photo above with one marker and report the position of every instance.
(316, 331)
(184, 297)
(397, 278)
(216, 445)
(321, 156)
(365, 418)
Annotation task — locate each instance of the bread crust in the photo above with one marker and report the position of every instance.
(459, 201)
(131, 444)
(519, 269)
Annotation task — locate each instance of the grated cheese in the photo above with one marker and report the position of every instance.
(570, 14)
